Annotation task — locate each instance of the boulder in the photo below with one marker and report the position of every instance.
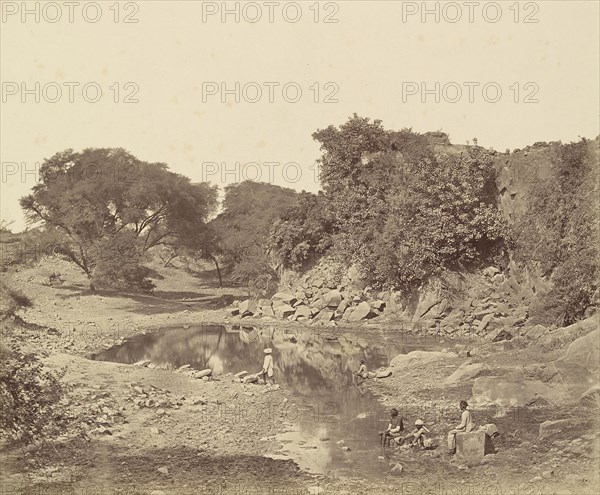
(379, 305)
(419, 357)
(561, 428)
(332, 298)
(467, 371)
(143, 362)
(397, 469)
(267, 311)
(436, 310)
(361, 312)
(383, 374)
(264, 303)
(248, 308)
(203, 373)
(454, 318)
(482, 325)
(473, 445)
(283, 310)
(302, 312)
(318, 303)
(585, 351)
(240, 374)
(253, 378)
(324, 315)
(281, 298)
(342, 307)
(509, 391)
(163, 470)
(425, 304)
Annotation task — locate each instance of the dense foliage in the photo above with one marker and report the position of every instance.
(303, 232)
(249, 210)
(560, 232)
(395, 205)
(106, 209)
(29, 396)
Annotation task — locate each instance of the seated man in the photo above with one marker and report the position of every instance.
(394, 429)
(417, 436)
(466, 425)
(362, 370)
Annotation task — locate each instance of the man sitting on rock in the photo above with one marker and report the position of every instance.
(362, 370)
(394, 429)
(417, 436)
(466, 425)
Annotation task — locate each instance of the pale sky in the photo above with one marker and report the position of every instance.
(368, 62)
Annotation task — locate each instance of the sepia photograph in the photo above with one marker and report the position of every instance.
(300, 247)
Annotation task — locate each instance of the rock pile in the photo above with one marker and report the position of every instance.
(491, 304)
(314, 300)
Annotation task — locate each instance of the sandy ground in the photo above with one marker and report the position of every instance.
(161, 431)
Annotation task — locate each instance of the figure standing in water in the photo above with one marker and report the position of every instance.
(267, 369)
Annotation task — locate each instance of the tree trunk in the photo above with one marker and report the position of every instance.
(214, 259)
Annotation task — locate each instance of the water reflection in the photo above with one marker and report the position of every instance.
(317, 369)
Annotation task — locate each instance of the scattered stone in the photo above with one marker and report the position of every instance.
(332, 299)
(203, 373)
(163, 470)
(248, 308)
(383, 374)
(552, 428)
(397, 469)
(283, 310)
(240, 374)
(144, 362)
(502, 335)
(154, 430)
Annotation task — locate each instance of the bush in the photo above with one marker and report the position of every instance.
(559, 231)
(29, 397)
(10, 301)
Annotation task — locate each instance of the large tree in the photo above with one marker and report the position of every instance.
(108, 208)
(249, 211)
(403, 209)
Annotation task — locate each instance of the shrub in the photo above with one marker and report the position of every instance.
(559, 231)
(29, 397)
